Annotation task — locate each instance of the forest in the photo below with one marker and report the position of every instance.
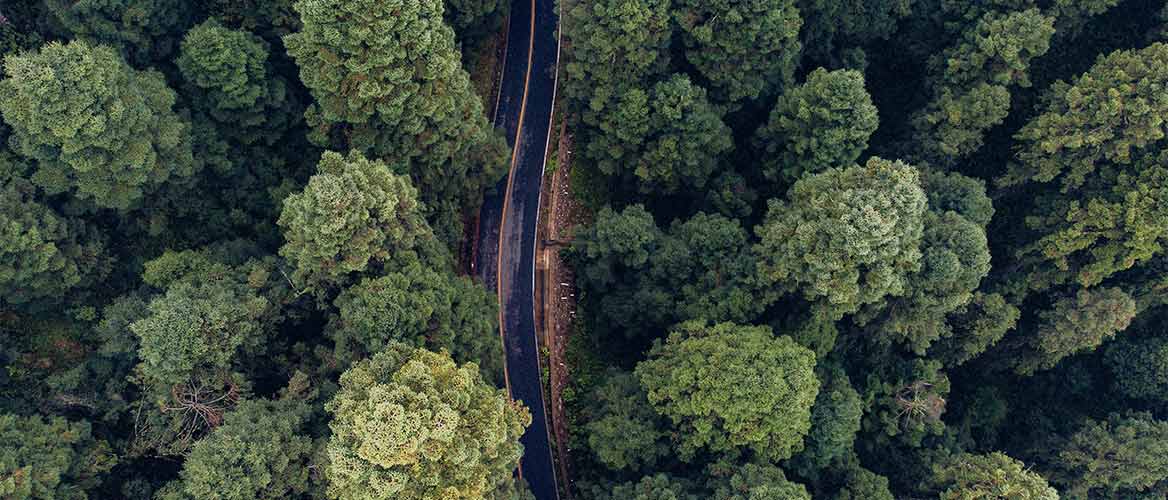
(837, 249)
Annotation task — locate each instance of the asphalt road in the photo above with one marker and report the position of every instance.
(507, 229)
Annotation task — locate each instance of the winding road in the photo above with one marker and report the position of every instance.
(507, 228)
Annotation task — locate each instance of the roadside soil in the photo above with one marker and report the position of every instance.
(555, 288)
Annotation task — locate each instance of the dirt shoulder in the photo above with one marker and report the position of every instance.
(555, 287)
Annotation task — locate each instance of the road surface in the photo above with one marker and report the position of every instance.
(507, 229)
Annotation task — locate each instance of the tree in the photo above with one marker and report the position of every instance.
(994, 475)
(726, 387)
(44, 255)
(1082, 127)
(353, 214)
(614, 243)
(409, 423)
(1140, 367)
(846, 237)
(745, 49)
(145, 30)
(1075, 324)
(615, 47)
(955, 256)
(975, 327)
(200, 325)
(50, 458)
(260, 452)
(231, 80)
(669, 141)
(823, 123)
(759, 482)
(420, 307)
(474, 20)
(829, 25)
(654, 487)
(96, 128)
(835, 420)
(862, 484)
(387, 80)
(1116, 221)
(623, 430)
(971, 89)
(1115, 457)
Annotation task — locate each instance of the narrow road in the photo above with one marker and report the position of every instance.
(507, 234)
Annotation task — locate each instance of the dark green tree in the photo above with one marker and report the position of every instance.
(145, 30)
(994, 475)
(232, 82)
(50, 458)
(975, 327)
(261, 451)
(387, 80)
(423, 308)
(1075, 324)
(829, 25)
(862, 484)
(759, 482)
(1115, 458)
(745, 49)
(727, 387)
(623, 430)
(667, 141)
(43, 254)
(973, 80)
(475, 19)
(96, 127)
(1140, 367)
(846, 237)
(835, 420)
(823, 123)
(409, 423)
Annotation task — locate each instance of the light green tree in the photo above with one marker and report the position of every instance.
(846, 237)
(994, 475)
(353, 214)
(96, 127)
(409, 423)
(726, 387)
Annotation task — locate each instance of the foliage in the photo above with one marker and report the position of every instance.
(409, 423)
(745, 49)
(1075, 324)
(846, 237)
(994, 475)
(353, 214)
(1115, 457)
(97, 128)
(666, 141)
(260, 452)
(49, 458)
(43, 254)
(1140, 367)
(758, 394)
(759, 482)
(624, 432)
(234, 84)
(973, 79)
(1083, 125)
(381, 74)
(823, 123)
(145, 30)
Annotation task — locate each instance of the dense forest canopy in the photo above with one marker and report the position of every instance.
(840, 249)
